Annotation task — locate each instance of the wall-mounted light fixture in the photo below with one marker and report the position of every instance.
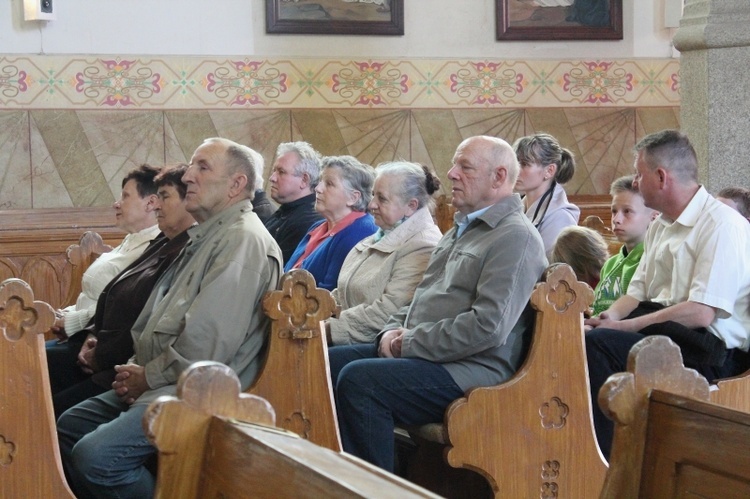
(39, 10)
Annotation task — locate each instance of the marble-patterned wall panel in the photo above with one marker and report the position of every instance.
(375, 136)
(261, 130)
(92, 151)
(62, 158)
(652, 119)
(15, 161)
(48, 188)
(184, 131)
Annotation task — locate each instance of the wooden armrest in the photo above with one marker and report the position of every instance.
(296, 377)
(30, 463)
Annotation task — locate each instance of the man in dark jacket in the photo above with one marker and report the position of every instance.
(293, 179)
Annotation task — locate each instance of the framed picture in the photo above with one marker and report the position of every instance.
(559, 19)
(335, 17)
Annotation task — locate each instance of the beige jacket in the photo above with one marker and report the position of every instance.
(378, 278)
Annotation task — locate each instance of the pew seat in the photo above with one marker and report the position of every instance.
(215, 442)
(532, 435)
(594, 222)
(294, 376)
(669, 442)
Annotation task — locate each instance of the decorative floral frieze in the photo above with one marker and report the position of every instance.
(487, 83)
(58, 82)
(117, 83)
(370, 84)
(246, 83)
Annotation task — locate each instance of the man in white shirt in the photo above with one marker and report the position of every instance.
(693, 281)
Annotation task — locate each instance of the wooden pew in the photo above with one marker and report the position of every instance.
(33, 246)
(215, 442)
(296, 377)
(29, 455)
(732, 392)
(668, 441)
(532, 435)
(80, 257)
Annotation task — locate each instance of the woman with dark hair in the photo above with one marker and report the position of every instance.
(341, 196)
(382, 271)
(545, 166)
(84, 366)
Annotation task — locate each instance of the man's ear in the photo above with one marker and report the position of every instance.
(237, 184)
(662, 173)
(305, 184)
(500, 176)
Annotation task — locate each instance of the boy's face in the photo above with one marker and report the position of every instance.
(630, 218)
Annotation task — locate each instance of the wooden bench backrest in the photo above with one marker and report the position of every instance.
(668, 441)
(533, 435)
(80, 257)
(33, 246)
(29, 455)
(215, 442)
(295, 377)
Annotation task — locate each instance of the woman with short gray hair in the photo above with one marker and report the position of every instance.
(382, 271)
(341, 196)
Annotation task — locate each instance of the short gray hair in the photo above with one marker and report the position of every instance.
(500, 153)
(355, 176)
(417, 182)
(240, 158)
(671, 150)
(310, 160)
(259, 163)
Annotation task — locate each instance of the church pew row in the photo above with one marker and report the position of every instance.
(533, 435)
(34, 247)
(543, 414)
(669, 441)
(559, 302)
(215, 442)
(291, 466)
(29, 454)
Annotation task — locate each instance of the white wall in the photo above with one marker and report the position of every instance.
(434, 29)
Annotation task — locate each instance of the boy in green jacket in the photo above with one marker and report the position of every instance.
(630, 220)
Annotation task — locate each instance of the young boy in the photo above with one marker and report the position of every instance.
(736, 198)
(630, 220)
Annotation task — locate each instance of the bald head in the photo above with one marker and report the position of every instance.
(484, 171)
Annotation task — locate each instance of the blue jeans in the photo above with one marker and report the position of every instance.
(104, 448)
(375, 394)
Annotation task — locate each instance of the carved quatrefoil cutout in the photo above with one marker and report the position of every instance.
(554, 413)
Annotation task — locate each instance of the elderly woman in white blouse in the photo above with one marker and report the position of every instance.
(382, 271)
(134, 213)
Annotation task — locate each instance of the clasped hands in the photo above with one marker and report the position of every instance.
(130, 382)
(605, 320)
(390, 343)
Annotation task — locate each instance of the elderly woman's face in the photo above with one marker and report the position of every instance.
(386, 207)
(332, 199)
